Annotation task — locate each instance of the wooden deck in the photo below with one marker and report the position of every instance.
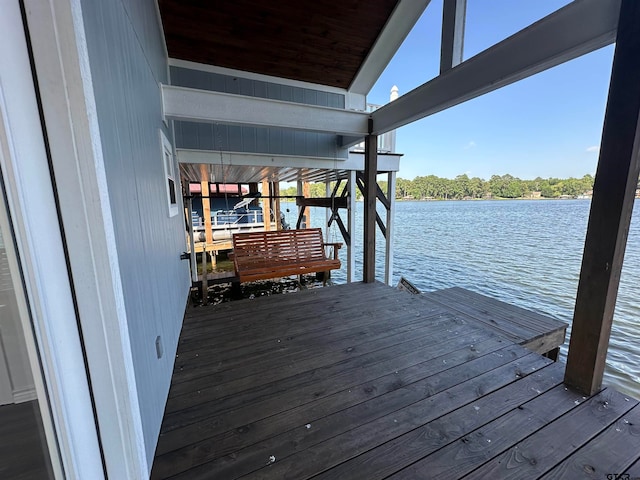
(362, 381)
(23, 453)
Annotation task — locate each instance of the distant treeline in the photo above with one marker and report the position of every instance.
(461, 187)
(505, 186)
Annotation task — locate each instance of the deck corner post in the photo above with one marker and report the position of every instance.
(391, 197)
(370, 198)
(351, 225)
(611, 207)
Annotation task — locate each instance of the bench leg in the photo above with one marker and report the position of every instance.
(236, 291)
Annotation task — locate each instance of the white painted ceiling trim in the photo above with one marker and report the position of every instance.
(190, 104)
(258, 167)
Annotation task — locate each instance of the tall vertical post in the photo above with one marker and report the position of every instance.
(276, 204)
(192, 242)
(253, 189)
(306, 193)
(370, 196)
(206, 205)
(351, 226)
(208, 230)
(266, 206)
(391, 196)
(611, 206)
(453, 22)
(328, 211)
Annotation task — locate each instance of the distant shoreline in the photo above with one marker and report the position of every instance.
(486, 199)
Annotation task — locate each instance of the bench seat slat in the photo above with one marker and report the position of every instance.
(264, 255)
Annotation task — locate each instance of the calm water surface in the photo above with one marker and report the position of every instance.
(526, 253)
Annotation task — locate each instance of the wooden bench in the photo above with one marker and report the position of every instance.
(273, 254)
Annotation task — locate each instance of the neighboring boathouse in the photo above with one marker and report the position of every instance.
(133, 134)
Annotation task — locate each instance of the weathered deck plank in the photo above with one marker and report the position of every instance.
(293, 373)
(610, 453)
(356, 405)
(550, 445)
(369, 382)
(446, 442)
(247, 405)
(532, 330)
(634, 471)
(362, 438)
(473, 447)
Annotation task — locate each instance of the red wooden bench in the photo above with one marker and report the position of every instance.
(279, 253)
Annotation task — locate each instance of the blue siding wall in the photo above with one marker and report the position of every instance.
(186, 77)
(233, 138)
(128, 61)
(274, 141)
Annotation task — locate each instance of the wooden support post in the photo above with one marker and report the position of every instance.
(306, 192)
(192, 242)
(453, 23)
(205, 279)
(304, 220)
(611, 206)
(370, 197)
(328, 211)
(253, 189)
(390, 206)
(266, 206)
(206, 205)
(351, 225)
(276, 204)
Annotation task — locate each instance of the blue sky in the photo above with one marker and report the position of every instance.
(548, 125)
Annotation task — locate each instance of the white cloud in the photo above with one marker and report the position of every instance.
(469, 145)
(593, 148)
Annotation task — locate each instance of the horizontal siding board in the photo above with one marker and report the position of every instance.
(185, 77)
(128, 62)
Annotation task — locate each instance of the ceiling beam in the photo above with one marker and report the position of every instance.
(579, 28)
(402, 20)
(190, 104)
(386, 163)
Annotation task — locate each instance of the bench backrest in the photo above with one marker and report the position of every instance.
(256, 250)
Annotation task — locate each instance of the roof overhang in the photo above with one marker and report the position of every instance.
(345, 44)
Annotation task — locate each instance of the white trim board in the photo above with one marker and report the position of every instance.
(62, 62)
(386, 163)
(24, 395)
(190, 104)
(31, 204)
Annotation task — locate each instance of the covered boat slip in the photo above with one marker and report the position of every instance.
(365, 381)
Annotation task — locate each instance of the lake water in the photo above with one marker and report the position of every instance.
(526, 253)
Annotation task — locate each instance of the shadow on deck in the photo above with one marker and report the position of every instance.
(362, 381)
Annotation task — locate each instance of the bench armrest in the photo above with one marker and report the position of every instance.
(336, 246)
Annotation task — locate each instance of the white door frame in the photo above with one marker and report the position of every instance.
(52, 335)
(61, 59)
